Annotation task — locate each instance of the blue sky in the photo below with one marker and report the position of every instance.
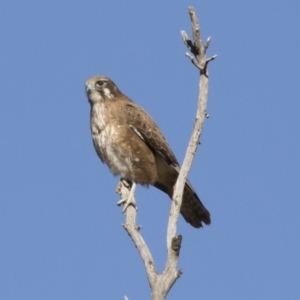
(60, 229)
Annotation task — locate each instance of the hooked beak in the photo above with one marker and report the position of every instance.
(89, 88)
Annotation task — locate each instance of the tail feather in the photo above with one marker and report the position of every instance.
(192, 208)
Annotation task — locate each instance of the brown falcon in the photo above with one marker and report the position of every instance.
(127, 139)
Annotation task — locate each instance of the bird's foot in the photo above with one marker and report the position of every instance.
(129, 200)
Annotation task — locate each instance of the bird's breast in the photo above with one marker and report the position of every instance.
(107, 134)
(112, 152)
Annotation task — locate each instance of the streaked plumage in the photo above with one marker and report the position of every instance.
(127, 139)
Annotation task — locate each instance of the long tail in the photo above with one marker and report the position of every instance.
(192, 208)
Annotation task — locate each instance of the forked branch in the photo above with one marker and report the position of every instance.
(161, 284)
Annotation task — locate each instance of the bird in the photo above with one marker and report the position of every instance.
(129, 142)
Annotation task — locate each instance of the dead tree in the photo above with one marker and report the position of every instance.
(161, 284)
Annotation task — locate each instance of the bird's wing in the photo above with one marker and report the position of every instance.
(144, 126)
(168, 168)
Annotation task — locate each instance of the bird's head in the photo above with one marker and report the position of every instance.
(101, 88)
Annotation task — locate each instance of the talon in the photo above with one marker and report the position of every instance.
(128, 184)
(122, 201)
(129, 200)
(126, 202)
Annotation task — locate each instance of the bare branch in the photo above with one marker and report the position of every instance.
(193, 60)
(197, 48)
(134, 232)
(188, 42)
(200, 57)
(162, 283)
(211, 59)
(195, 29)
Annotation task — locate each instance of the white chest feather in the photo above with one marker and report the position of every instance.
(107, 139)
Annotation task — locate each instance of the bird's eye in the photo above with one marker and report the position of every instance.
(99, 83)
